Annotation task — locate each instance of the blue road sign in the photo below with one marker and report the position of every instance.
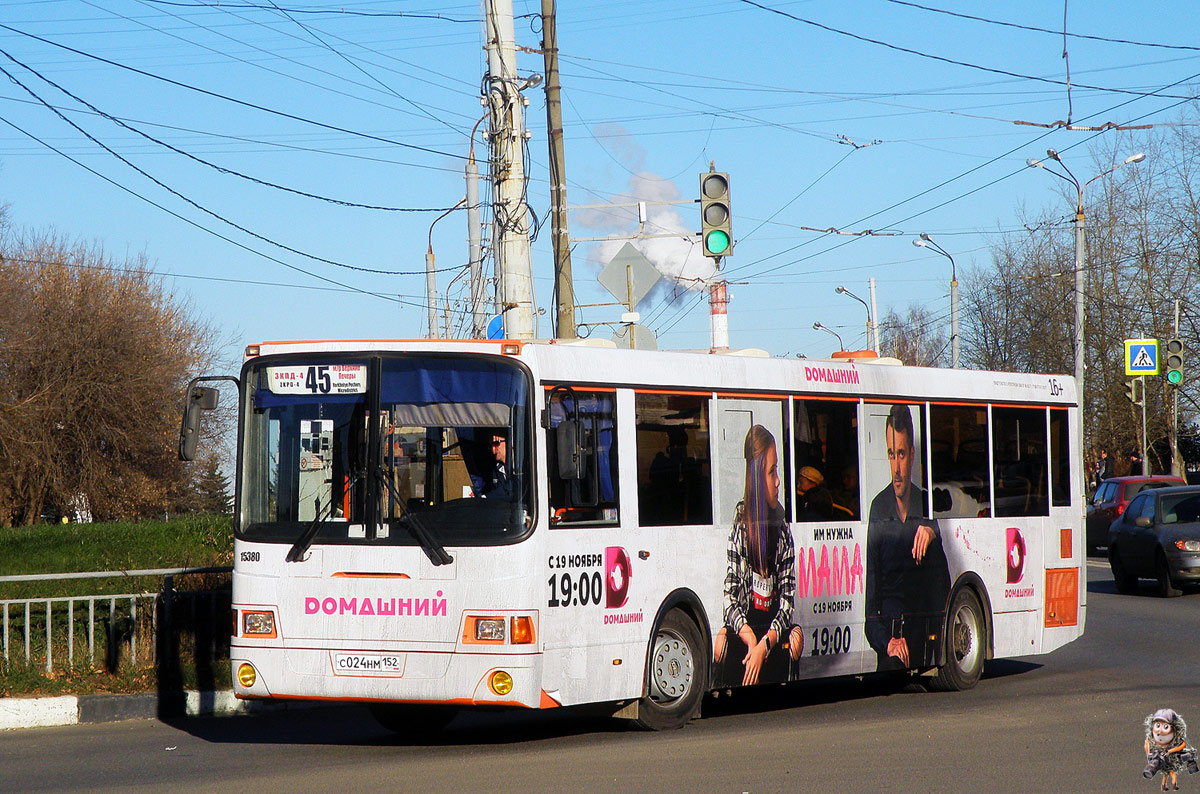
(1141, 357)
(495, 327)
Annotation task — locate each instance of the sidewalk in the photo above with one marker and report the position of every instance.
(16, 713)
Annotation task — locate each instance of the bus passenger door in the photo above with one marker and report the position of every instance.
(753, 454)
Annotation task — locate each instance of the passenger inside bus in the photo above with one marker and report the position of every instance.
(814, 502)
(494, 481)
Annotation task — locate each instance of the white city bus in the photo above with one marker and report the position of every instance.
(432, 525)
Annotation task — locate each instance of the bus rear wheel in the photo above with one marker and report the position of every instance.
(966, 644)
(678, 674)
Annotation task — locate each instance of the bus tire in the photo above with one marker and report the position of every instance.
(412, 721)
(677, 674)
(966, 644)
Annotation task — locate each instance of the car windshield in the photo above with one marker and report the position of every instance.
(1180, 508)
(385, 449)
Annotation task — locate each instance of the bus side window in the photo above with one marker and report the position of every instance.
(1019, 459)
(826, 439)
(958, 436)
(1060, 458)
(673, 461)
(591, 499)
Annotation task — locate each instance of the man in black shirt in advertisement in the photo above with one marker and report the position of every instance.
(907, 577)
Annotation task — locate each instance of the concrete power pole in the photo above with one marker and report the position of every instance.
(564, 289)
(510, 222)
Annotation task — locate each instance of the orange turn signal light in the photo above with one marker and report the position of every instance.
(522, 630)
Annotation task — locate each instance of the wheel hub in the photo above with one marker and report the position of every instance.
(963, 638)
(672, 669)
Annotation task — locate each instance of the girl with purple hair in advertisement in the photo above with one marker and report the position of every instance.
(760, 583)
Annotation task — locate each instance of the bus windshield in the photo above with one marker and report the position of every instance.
(385, 449)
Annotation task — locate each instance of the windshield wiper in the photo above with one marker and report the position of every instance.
(296, 552)
(435, 551)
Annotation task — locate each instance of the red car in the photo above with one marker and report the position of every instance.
(1111, 499)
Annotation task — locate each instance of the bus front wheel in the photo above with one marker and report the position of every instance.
(678, 674)
(966, 644)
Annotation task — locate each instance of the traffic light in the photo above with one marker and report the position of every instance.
(1174, 361)
(716, 222)
(1131, 391)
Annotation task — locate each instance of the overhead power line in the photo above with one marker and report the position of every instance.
(413, 300)
(187, 200)
(1045, 30)
(191, 222)
(952, 61)
(219, 168)
(323, 11)
(225, 98)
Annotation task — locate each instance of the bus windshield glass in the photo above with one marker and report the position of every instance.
(359, 449)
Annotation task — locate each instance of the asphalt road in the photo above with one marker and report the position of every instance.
(1067, 721)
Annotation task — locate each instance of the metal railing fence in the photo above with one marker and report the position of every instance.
(127, 629)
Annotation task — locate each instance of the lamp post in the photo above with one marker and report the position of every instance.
(1080, 245)
(925, 241)
(872, 334)
(818, 327)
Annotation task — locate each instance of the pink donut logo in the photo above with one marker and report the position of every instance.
(1015, 557)
(617, 572)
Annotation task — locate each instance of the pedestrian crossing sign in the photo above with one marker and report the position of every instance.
(1141, 357)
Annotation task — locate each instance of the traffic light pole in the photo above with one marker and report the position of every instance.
(1176, 458)
(1145, 459)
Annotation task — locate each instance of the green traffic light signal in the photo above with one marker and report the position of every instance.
(716, 222)
(1174, 362)
(717, 242)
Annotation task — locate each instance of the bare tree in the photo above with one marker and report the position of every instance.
(918, 338)
(94, 356)
(1143, 254)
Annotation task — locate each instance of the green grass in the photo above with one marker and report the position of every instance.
(187, 542)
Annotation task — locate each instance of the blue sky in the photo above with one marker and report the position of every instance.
(375, 107)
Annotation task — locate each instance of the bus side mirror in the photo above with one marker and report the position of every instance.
(571, 460)
(199, 400)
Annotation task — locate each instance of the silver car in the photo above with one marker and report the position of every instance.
(1157, 536)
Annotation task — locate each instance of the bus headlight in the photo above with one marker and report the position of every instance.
(258, 624)
(500, 682)
(489, 629)
(246, 675)
(499, 630)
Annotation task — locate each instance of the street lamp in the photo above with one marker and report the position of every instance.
(1080, 246)
(818, 327)
(925, 241)
(872, 334)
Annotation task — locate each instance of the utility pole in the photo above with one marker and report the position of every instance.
(510, 222)
(431, 329)
(564, 289)
(475, 247)
(875, 314)
(1176, 459)
(1080, 260)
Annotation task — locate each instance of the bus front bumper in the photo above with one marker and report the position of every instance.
(466, 679)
